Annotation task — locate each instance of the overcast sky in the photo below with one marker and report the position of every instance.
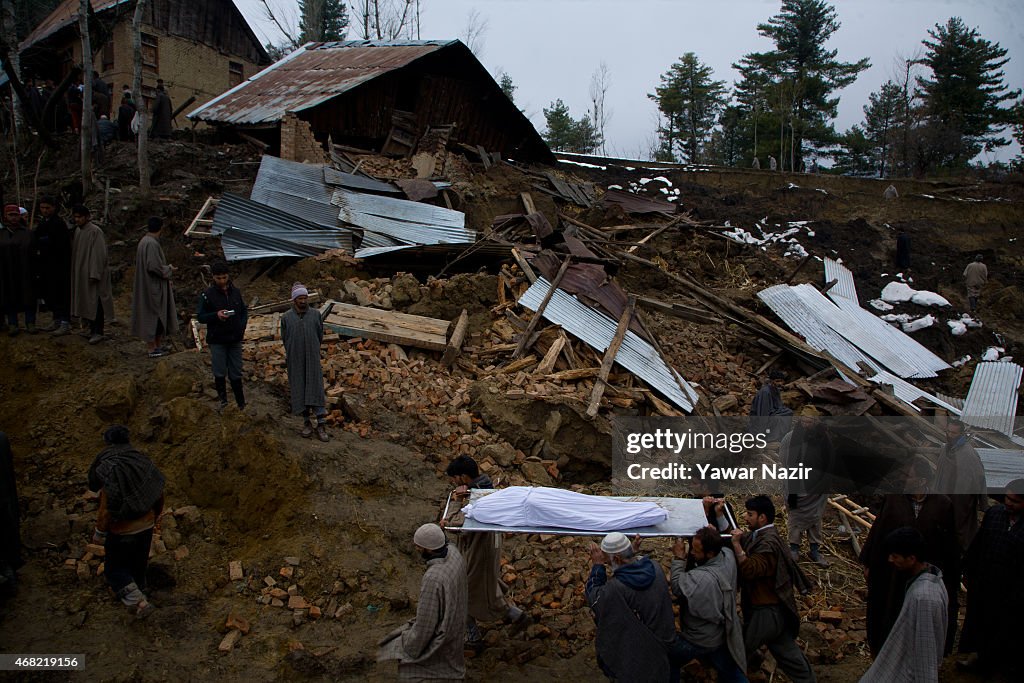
(552, 47)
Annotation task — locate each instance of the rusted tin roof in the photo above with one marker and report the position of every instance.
(65, 15)
(311, 75)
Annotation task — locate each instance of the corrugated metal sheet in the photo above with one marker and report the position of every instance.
(896, 343)
(295, 188)
(66, 14)
(800, 318)
(310, 76)
(410, 222)
(357, 182)
(633, 203)
(845, 286)
(908, 393)
(251, 230)
(991, 401)
(598, 330)
(1001, 466)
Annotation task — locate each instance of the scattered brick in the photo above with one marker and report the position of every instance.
(235, 572)
(229, 641)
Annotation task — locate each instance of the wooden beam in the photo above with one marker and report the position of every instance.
(547, 364)
(829, 285)
(524, 341)
(645, 240)
(528, 203)
(524, 265)
(798, 268)
(609, 357)
(680, 311)
(455, 343)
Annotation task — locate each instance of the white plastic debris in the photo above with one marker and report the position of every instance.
(919, 324)
(925, 298)
(897, 293)
(962, 361)
(880, 305)
(957, 327)
(992, 353)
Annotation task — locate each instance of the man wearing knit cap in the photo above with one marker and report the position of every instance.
(153, 312)
(429, 647)
(17, 281)
(633, 612)
(302, 331)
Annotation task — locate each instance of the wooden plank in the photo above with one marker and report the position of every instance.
(690, 313)
(528, 203)
(388, 326)
(517, 365)
(524, 341)
(609, 357)
(455, 343)
(798, 269)
(191, 231)
(651, 236)
(484, 156)
(573, 375)
(547, 364)
(524, 265)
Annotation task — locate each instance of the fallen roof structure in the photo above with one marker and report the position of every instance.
(845, 286)
(295, 188)
(250, 230)
(634, 203)
(405, 222)
(808, 312)
(598, 331)
(991, 401)
(909, 394)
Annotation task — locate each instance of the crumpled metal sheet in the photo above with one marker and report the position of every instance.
(250, 230)
(598, 330)
(402, 220)
(845, 286)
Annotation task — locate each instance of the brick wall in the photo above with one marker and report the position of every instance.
(298, 142)
(187, 68)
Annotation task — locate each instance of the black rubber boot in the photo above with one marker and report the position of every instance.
(236, 388)
(221, 384)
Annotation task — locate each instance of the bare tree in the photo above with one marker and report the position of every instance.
(88, 125)
(904, 75)
(10, 37)
(600, 82)
(279, 19)
(386, 19)
(474, 31)
(140, 103)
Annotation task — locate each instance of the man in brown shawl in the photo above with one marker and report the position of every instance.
(768, 578)
(931, 514)
(91, 297)
(482, 553)
(153, 311)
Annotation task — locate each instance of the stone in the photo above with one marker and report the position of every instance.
(465, 421)
(405, 289)
(181, 553)
(235, 572)
(171, 538)
(297, 602)
(726, 402)
(228, 643)
(117, 397)
(501, 453)
(292, 560)
(536, 473)
(171, 381)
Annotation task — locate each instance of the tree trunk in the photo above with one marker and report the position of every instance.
(88, 124)
(140, 103)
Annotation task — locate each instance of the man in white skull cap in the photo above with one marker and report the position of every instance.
(429, 647)
(633, 612)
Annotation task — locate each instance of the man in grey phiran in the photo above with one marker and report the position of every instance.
(302, 330)
(153, 313)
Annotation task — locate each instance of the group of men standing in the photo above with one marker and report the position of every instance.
(66, 266)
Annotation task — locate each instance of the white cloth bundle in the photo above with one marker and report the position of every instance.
(519, 506)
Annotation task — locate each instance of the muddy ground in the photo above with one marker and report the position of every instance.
(245, 487)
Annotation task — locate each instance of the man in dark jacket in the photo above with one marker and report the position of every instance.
(131, 492)
(162, 111)
(222, 309)
(125, 113)
(17, 282)
(633, 612)
(767, 411)
(53, 266)
(769, 579)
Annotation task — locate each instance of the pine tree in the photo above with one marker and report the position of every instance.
(967, 88)
(565, 134)
(882, 119)
(322, 20)
(807, 74)
(853, 155)
(507, 86)
(690, 100)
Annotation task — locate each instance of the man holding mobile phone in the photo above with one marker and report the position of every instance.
(222, 309)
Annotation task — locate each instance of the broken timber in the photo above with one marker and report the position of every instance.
(455, 343)
(388, 326)
(609, 357)
(524, 341)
